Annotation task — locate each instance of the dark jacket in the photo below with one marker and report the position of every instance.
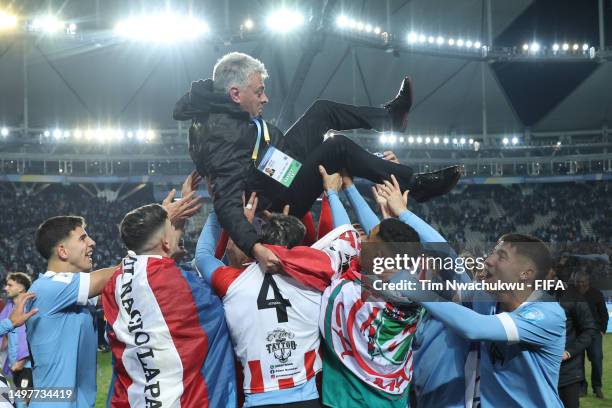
(221, 140)
(580, 328)
(597, 304)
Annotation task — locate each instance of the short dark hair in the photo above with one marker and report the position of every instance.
(283, 230)
(20, 278)
(140, 224)
(533, 249)
(396, 235)
(53, 230)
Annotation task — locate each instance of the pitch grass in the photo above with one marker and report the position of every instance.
(104, 376)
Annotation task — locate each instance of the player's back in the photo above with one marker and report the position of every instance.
(168, 336)
(273, 321)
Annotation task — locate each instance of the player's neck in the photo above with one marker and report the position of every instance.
(510, 301)
(58, 266)
(155, 252)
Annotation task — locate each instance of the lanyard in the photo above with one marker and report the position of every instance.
(259, 132)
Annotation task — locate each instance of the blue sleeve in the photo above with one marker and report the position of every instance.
(61, 291)
(338, 211)
(425, 231)
(5, 326)
(536, 324)
(205, 261)
(467, 323)
(365, 215)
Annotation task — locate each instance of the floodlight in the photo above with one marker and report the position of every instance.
(342, 21)
(163, 28)
(514, 140)
(48, 24)
(505, 141)
(412, 37)
(7, 21)
(410, 139)
(285, 20)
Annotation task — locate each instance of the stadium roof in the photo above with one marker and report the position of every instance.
(103, 80)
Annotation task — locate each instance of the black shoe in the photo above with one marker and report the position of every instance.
(426, 186)
(598, 393)
(399, 106)
(584, 388)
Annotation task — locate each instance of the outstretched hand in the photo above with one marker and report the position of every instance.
(18, 316)
(191, 183)
(381, 201)
(397, 202)
(390, 156)
(183, 209)
(330, 181)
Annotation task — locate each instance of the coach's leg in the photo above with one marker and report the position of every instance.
(335, 154)
(308, 131)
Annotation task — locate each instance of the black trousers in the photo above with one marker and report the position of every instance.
(595, 354)
(570, 395)
(304, 140)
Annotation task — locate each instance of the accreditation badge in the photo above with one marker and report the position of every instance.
(279, 166)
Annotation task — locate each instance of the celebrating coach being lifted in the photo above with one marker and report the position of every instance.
(240, 152)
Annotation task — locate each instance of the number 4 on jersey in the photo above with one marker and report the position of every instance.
(277, 302)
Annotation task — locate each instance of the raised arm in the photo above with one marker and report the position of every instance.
(365, 215)
(205, 261)
(331, 185)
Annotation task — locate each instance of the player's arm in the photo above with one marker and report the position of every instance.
(365, 216)
(205, 261)
(332, 184)
(18, 315)
(98, 279)
(463, 321)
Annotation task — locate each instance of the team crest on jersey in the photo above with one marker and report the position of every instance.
(281, 344)
(387, 332)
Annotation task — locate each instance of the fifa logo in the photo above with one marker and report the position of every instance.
(281, 344)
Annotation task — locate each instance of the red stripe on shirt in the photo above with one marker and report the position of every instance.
(222, 279)
(284, 383)
(256, 377)
(176, 303)
(309, 360)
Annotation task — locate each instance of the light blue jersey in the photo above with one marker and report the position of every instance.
(524, 371)
(520, 351)
(62, 338)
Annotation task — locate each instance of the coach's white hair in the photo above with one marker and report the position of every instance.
(234, 69)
